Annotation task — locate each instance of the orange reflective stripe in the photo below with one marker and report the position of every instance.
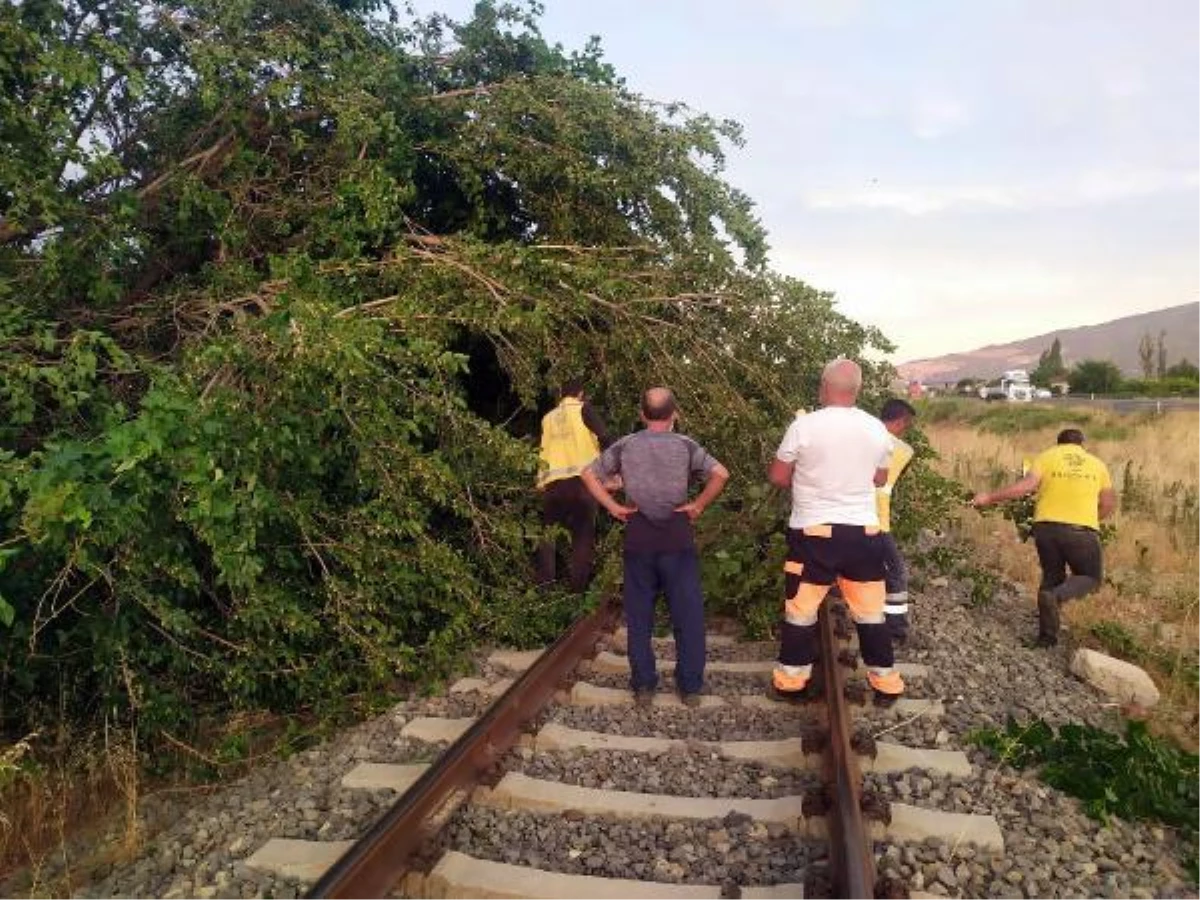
(791, 567)
(886, 682)
(785, 681)
(818, 531)
(865, 599)
(801, 608)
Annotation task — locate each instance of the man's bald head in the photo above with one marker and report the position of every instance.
(841, 381)
(658, 405)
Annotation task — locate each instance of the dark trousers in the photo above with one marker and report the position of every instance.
(895, 580)
(567, 503)
(1061, 547)
(677, 575)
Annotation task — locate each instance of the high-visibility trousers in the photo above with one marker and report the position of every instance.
(852, 556)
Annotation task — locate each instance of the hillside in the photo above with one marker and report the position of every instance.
(1116, 341)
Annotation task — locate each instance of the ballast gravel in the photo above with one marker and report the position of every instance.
(985, 674)
(741, 651)
(681, 773)
(1052, 848)
(722, 723)
(727, 684)
(731, 851)
(195, 844)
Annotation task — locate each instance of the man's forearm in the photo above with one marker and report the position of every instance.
(779, 473)
(596, 489)
(1012, 491)
(712, 488)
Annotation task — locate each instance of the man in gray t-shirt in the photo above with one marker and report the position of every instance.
(657, 466)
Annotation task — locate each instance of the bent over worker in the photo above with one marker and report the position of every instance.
(572, 437)
(832, 460)
(657, 466)
(1074, 492)
(896, 416)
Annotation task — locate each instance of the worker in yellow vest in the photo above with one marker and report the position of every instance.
(573, 435)
(897, 416)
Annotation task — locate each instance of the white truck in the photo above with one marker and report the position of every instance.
(1012, 385)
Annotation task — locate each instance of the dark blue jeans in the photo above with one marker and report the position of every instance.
(677, 575)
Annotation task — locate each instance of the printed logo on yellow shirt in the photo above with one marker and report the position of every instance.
(1071, 482)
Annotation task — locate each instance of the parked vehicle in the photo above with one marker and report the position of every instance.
(1042, 394)
(1012, 385)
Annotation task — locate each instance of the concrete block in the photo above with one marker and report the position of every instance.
(1119, 679)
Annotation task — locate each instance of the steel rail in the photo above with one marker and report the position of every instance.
(852, 862)
(377, 861)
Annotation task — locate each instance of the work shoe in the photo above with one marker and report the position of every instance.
(800, 696)
(882, 700)
(1048, 622)
(643, 698)
(691, 699)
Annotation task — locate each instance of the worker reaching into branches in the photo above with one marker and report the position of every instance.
(1074, 492)
(897, 416)
(573, 435)
(832, 460)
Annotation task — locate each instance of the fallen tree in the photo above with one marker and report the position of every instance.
(286, 285)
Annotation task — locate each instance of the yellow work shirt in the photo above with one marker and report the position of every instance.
(1070, 486)
(902, 455)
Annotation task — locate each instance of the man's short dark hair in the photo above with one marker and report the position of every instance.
(1070, 436)
(571, 388)
(661, 411)
(896, 408)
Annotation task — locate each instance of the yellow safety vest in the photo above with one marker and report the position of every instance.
(568, 445)
(902, 454)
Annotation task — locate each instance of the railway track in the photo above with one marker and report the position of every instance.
(562, 788)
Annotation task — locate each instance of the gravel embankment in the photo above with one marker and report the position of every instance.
(985, 675)
(196, 844)
(1052, 848)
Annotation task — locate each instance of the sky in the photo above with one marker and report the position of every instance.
(957, 174)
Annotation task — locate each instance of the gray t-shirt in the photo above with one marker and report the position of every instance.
(656, 468)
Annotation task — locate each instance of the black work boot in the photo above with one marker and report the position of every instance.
(1047, 619)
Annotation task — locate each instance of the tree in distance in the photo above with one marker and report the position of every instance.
(1094, 376)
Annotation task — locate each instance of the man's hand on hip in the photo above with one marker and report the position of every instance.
(617, 511)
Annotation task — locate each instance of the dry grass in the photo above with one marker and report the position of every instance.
(1148, 606)
(48, 800)
(71, 807)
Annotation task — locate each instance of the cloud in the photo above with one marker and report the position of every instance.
(1088, 188)
(936, 115)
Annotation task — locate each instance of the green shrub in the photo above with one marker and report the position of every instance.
(272, 386)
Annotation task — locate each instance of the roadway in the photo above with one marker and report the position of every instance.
(1127, 404)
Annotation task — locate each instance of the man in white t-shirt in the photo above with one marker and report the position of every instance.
(832, 460)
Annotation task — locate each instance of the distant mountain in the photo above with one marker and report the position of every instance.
(1115, 341)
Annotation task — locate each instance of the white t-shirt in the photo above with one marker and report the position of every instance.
(836, 451)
